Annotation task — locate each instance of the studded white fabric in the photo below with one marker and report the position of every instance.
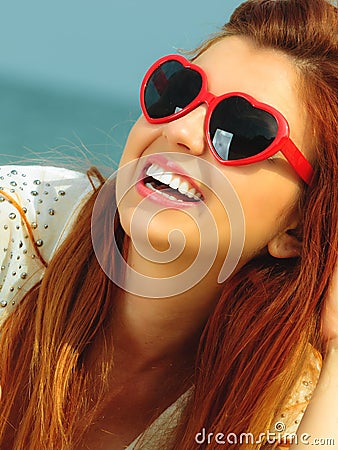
(48, 198)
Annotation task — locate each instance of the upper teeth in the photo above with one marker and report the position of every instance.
(173, 180)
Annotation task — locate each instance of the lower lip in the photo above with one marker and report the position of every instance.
(159, 198)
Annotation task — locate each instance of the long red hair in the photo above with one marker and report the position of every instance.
(255, 343)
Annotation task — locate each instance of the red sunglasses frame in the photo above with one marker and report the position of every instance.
(282, 141)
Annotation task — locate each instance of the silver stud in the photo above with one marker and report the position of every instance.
(13, 274)
(2, 199)
(23, 275)
(45, 226)
(34, 225)
(62, 193)
(5, 227)
(11, 289)
(2, 268)
(12, 216)
(34, 193)
(13, 183)
(3, 303)
(37, 182)
(14, 172)
(51, 212)
(24, 209)
(39, 243)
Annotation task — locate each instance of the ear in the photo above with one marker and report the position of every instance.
(285, 245)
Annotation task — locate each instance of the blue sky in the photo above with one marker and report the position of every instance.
(101, 47)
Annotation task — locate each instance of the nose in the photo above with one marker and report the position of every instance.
(188, 131)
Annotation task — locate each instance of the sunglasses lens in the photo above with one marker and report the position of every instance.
(170, 88)
(238, 130)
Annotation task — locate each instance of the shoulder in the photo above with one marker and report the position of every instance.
(37, 204)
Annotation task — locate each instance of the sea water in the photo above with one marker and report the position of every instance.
(40, 124)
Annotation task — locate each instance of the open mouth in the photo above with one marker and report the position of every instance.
(172, 186)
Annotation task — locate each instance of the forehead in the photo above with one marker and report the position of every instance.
(236, 64)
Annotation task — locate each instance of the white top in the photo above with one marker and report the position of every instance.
(48, 198)
(163, 428)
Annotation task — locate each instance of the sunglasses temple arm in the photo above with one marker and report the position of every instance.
(298, 161)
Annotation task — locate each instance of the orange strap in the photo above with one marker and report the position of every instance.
(27, 224)
(93, 172)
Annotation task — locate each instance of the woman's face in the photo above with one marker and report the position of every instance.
(268, 191)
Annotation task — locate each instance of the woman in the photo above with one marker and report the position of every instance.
(88, 359)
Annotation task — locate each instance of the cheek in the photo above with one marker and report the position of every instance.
(268, 209)
(139, 139)
(141, 136)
